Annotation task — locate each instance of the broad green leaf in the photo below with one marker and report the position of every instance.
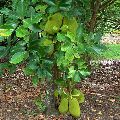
(50, 2)
(84, 72)
(1, 38)
(28, 71)
(76, 55)
(42, 8)
(66, 46)
(35, 28)
(60, 82)
(76, 77)
(71, 72)
(28, 22)
(34, 1)
(5, 11)
(21, 32)
(52, 9)
(71, 36)
(18, 57)
(2, 48)
(5, 32)
(22, 8)
(40, 73)
(48, 74)
(61, 37)
(69, 55)
(32, 65)
(35, 80)
(46, 42)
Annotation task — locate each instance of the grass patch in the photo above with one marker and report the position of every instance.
(112, 52)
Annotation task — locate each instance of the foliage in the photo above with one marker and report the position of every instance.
(41, 106)
(56, 39)
(112, 52)
(109, 18)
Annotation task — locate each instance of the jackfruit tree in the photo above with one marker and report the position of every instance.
(55, 40)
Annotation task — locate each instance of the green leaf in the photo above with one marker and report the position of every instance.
(5, 32)
(42, 8)
(61, 37)
(50, 2)
(21, 32)
(35, 28)
(34, 1)
(2, 48)
(28, 71)
(60, 82)
(71, 36)
(21, 8)
(71, 72)
(40, 73)
(84, 72)
(18, 57)
(52, 9)
(5, 11)
(28, 22)
(1, 38)
(76, 77)
(35, 80)
(46, 42)
(64, 47)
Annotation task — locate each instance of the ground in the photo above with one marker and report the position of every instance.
(101, 89)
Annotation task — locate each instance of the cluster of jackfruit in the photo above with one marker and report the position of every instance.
(71, 103)
(57, 22)
(53, 24)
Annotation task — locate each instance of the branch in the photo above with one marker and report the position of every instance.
(94, 9)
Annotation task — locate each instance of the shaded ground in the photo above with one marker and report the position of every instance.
(102, 91)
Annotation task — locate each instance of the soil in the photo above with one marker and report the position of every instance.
(101, 89)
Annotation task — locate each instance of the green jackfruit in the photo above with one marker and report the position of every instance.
(70, 25)
(63, 107)
(78, 95)
(74, 107)
(53, 24)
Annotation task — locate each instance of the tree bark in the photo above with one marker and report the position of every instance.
(94, 9)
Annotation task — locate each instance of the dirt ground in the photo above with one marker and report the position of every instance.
(101, 89)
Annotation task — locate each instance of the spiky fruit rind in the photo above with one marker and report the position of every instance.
(71, 25)
(54, 23)
(63, 107)
(74, 107)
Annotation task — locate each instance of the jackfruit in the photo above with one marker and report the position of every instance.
(53, 24)
(74, 107)
(78, 95)
(70, 25)
(63, 107)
